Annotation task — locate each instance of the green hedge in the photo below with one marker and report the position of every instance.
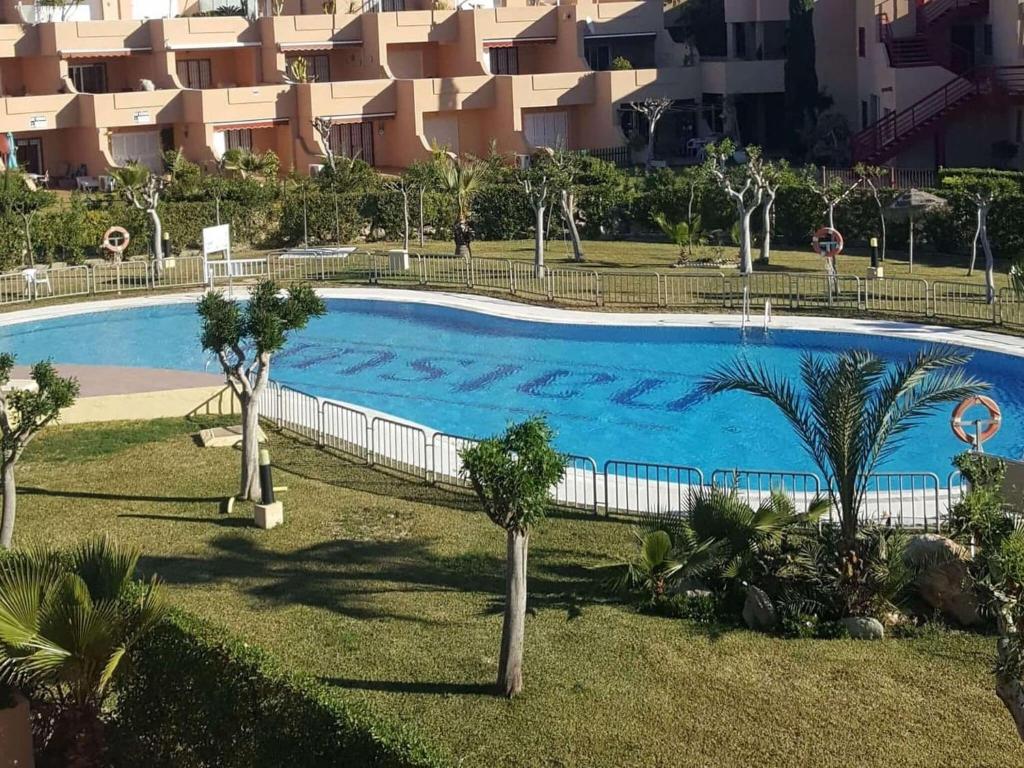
(197, 698)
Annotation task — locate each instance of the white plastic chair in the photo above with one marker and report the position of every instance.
(34, 278)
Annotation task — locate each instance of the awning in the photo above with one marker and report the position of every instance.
(330, 45)
(600, 36)
(251, 125)
(98, 53)
(510, 42)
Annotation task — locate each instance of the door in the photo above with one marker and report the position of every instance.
(547, 129)
(141, 146)
(30, 155)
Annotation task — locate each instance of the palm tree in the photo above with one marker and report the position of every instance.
(681, 233)
(460, 177)
(261, 165)
(856, 410)
(66, 624)
(667, 551)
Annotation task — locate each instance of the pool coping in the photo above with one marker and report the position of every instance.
(924, 333)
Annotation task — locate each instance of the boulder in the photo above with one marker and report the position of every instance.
(861, 628)
(943, 579)
(758, 611)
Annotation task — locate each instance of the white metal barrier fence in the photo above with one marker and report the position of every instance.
(702, 290)
(908, 499)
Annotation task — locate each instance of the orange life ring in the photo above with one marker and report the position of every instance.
(995, 418)
(116, 247)
(827, 234)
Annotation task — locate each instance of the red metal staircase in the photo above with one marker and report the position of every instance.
(896, 131)
(931, 46)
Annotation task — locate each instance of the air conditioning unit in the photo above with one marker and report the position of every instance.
(315, 168)
(523, 161)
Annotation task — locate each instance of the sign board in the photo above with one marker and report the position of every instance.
(217, 240)
(142, 116)
(39, 121)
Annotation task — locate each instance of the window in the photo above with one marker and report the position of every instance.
(862, 45)
(319, 66)
(599, 56)
(740, 35)
(89, 78)
(863, 114)
(238, 139)
(354, 140)
(505, 61)
(194, 73)
(30, 154)
(875, 109)
(987, 40)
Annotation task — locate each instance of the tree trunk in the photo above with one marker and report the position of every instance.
(538, 242)
(461, 234)
(421, 217)
(990, 279)
(746, 259)
(881, 217)
(28, 242)
(510, 664)
(766, 241)
(1011, 693)
(10, 504)
(405, 216)
(831, 215)
(974, 242)
(569, 212)
(250, 486)
(158, 241)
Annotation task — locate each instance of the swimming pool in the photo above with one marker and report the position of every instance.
(625, 392)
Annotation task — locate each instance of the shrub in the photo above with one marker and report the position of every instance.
(198, 697)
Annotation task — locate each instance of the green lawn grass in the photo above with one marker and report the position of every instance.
(392, 591)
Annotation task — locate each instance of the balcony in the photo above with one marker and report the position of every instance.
(732, 77)
(552, 90)
(352, 100)
(756, 10)
(454, 93)
(225, 106)
(122, 110)
(72, 38)
(205, 32)
(38, 113)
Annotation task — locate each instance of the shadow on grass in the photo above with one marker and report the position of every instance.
(33, 491)
(400, 686)
(371, 579)
(223, 521)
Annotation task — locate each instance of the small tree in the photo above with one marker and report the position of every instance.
(512, 475)
(741, 185)
(141, 188)
(23, 413)
(769, 177)
(21, 197)
(832, 192)
(534, 181)
(247, 164)
(401, 185)
(563, 168)
(681, 233)
(982, 192)
(653, 109)
(244, 338)
(871, 176)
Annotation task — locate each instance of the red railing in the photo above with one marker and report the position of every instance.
(882, 139)
(929, 11)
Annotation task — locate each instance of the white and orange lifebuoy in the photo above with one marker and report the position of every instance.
(994, 420)
(116, 239)
(826, 236)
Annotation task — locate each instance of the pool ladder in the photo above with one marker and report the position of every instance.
(745, 318)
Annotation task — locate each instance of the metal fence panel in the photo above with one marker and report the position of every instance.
(14, 289)
(181, 272)
(344, 429)
(491, 274)
(399, 446)
(634, 288)
(964, 301)
(683, 290)
(445, 270)
(904, 499)
(573, 286)
(1011, 308)
(299, 413)
(117, 277)
(899, 295)
(224, 271)
(578, 486)
(757, 485)
(63, 282)
(642, 488)
(446, 451)
(776, 287)
(384, 270)
(826, 292)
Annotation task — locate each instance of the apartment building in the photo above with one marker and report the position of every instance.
(926, 83)
(120, 80)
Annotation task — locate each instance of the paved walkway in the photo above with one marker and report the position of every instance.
(96, 380)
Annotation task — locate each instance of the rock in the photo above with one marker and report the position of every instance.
(378, 234)
(226, 437)
(943, 579)
(861, 628)
(698, 594)
(758, 611)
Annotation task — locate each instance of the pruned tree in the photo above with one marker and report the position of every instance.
(245, 337)
(400, 184)
(832, 191)
(141, 188)
(24, 412)
(22, 198)
(512, 475)
(459, 178)
(982, 192)
(564, 169)
(871, 177)
(696, 177)
(653, 109)
(323, 127)
(769, 177)
(741, 186)
(534, 181)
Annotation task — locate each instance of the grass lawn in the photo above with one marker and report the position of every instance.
(391, 591)
(617, 254)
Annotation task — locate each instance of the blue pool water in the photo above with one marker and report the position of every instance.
(611, 392)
